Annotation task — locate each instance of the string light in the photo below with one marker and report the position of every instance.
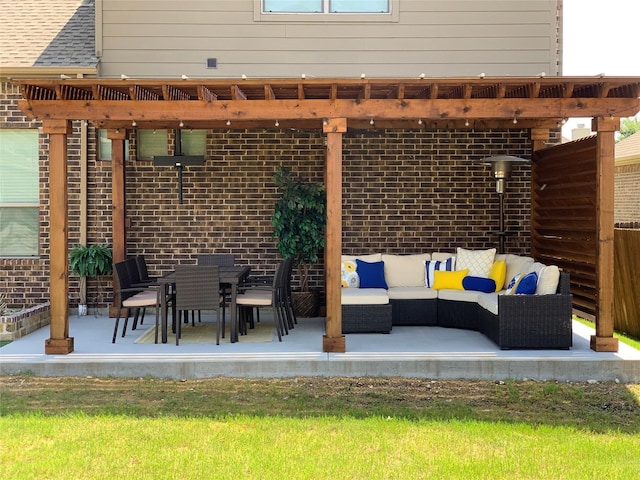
(466, 122)
(133, 123)
(181, 124)
(371, 122)
(277, 124)
(228, 122)
(419, 121)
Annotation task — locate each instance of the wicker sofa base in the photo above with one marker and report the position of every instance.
(418, 312)
(366, 318)
(455, 314)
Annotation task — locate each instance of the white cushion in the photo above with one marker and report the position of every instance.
(412, 293)
(371, 258)
(459, 295)
(517, 264)
(440, 256)
(255, 297)
(478, 262)
(489, 301)
(364, 296)
(145, 298)
(548, 278)
(404, 270)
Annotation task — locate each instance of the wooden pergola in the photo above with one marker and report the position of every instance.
(333, 105)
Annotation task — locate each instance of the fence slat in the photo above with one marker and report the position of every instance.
(626, 298)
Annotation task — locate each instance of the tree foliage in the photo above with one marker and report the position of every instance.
(299, 220)
(628, 126)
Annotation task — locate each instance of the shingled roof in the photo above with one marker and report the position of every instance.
(47, 33)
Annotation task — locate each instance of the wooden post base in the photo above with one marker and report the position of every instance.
(604, 344)
(334, 344)
(58, 346)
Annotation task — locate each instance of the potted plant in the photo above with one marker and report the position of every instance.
(89, 261)
(299, 221)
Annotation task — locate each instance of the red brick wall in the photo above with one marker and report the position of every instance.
(404, 192)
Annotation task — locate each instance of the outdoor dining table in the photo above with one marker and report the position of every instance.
(229, 275)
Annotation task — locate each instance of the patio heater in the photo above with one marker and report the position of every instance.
(500, 169)
(178, 160)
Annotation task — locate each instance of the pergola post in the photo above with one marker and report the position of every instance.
(603, 340)
(334, 340)
(59, 341)
(118, 201)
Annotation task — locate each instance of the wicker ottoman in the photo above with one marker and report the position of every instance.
(366, 318)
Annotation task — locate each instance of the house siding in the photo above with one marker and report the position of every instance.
(438, 38)
(627, 195)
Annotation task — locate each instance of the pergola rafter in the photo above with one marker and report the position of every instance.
(333, 105)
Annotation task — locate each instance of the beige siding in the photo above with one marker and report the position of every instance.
(440, 38)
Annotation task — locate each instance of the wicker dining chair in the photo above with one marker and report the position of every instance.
(134, 297)
(259, 295)
(198, 288)
(222, 260)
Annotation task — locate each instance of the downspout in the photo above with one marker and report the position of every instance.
(83, 190)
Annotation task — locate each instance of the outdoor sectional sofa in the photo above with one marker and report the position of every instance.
(385, 290)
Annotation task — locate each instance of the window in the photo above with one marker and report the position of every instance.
(367, 11)
(326, 6)
(19, 193)
(194, 142)
(104, 147)
(152, 143)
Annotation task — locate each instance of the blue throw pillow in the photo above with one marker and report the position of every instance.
(479, 284)
(528, 284)
(371, 274)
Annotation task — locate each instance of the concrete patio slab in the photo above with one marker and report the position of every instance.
(421, 352)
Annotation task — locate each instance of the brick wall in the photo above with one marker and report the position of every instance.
(627, 194)
(404, 192)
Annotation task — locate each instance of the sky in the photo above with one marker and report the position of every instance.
(600, 36)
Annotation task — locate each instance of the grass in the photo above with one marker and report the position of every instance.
(369, 428)
(622, 337)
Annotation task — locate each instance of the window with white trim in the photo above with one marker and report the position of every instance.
(104, 146)
(19, 193)
(326, 6)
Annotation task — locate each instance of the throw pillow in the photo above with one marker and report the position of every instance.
(548, 279)
(478, 262)
(431, 266)
(348, 275)
(513, 284)
(449, 280)
(498, 273)
(479, 284)
(371, 274)
(527, 286)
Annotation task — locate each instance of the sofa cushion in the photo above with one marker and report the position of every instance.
(372, 257)
(548, 278)
(527, 285)
(412, 293)
(449, 280)
(478, 262)
(440, 256)
(489, 301)
(348, 275)
(479, 284)
(430, 266)
(371, 274)
(364, 296)
(459, 295)
(498, 273)
(517, 264)
(404, 270)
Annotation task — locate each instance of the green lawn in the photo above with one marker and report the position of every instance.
(317, 428)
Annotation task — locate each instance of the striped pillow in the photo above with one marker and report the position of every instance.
(431, 266)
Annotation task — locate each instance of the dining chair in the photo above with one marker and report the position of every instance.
(198, 288)
(222, 260)
(260, 295)
(133, 297)
(143, 271)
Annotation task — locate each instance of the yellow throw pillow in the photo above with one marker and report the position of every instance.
(449, 280)
(498, 273)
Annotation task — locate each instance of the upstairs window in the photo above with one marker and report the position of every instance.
(326, 6)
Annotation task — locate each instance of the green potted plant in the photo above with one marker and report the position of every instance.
(89, 261)
(299, 221)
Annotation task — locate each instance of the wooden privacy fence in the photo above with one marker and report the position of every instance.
(626, 305)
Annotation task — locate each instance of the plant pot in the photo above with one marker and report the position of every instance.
(82, 310)
(306, 304)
